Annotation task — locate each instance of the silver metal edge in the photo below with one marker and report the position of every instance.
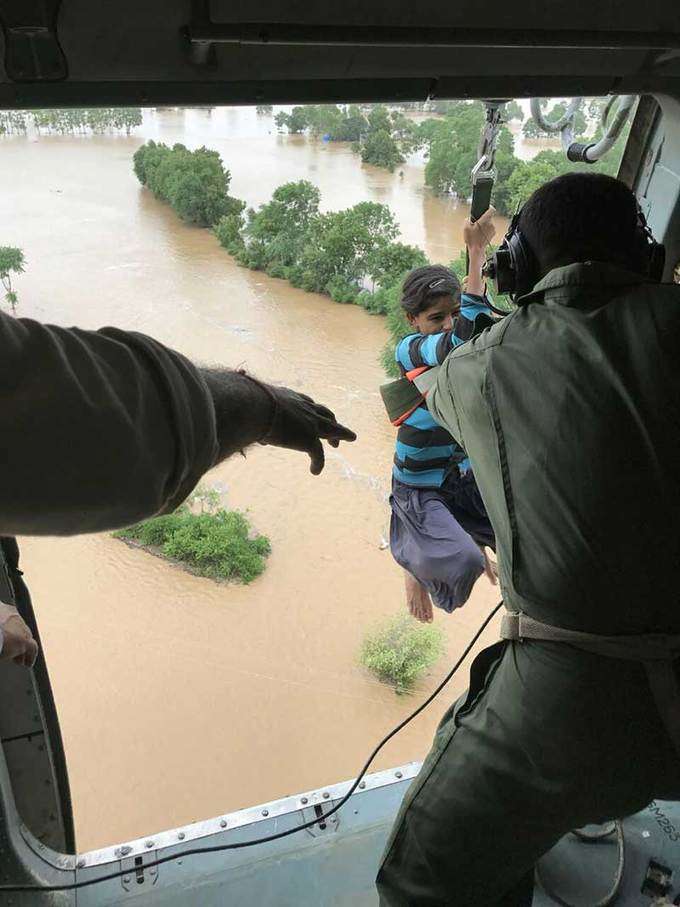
(174, 837)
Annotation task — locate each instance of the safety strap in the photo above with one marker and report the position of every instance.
(656, 651)
(426, 380)
(403, 396)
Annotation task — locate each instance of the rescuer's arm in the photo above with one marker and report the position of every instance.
(441, 404)
(99, 429)
(270, 415)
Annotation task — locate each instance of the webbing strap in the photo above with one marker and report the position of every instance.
(427, 380)
(644, 647)
(656, 651)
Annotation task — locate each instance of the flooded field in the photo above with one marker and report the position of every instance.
(180, 698)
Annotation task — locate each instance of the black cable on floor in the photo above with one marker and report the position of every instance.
(281, 834)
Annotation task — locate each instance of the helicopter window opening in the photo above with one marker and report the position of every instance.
(319, 812)
(139, 870)
(141, 267)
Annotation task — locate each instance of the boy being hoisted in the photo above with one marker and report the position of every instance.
(439, 529)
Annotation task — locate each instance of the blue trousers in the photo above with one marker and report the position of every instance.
(435, 533)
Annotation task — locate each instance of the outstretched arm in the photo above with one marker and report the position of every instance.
(100, 429)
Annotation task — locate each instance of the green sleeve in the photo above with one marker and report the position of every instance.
(441, 402)
(99, 428)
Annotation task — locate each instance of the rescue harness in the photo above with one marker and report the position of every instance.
(404, 395)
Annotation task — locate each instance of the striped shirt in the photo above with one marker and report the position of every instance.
(425, 451)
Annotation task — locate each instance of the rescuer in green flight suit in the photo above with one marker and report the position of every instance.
(569, 410)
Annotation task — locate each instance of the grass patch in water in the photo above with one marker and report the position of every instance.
(401, 650)
(216, 543)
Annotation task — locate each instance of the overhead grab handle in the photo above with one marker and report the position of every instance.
(596, 150)
(580, 152)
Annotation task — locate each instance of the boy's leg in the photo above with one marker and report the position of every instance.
(417, 599)
(429, 543)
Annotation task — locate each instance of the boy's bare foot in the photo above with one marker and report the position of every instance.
(418, 600)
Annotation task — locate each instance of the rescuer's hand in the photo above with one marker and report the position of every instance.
(479, 235)
(299, 424)
(18, 644)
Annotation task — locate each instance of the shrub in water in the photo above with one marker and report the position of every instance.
(401, 650)
(215, 544)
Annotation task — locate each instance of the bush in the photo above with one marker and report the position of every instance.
(381, 150)
(341, 290)
(11, 262)
(228, 232)
(401, 650)
(214, 543)
(397, 326)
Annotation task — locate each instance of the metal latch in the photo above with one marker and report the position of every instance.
(138, 873)
(321, 826)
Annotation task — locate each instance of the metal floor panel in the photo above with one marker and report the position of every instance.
(337, 869)
(333, 864)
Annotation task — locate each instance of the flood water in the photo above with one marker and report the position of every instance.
(180, 698)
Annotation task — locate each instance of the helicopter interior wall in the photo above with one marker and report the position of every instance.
(658, 182)
(156, 52)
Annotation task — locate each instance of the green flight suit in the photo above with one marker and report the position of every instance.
(98, 429)
(570, 412)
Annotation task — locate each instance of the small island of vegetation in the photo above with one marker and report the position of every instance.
(204, 538)
(401, 650)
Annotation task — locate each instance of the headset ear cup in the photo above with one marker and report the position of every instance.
(524, 264)
(501, 270)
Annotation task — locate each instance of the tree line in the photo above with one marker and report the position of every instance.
(449, 143)
(353, 255)
(381, 136)
(71, 120)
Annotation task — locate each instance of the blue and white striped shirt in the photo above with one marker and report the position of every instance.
(425, 451)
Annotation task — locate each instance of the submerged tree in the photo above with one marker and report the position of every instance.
(11, 262)
(381, 150)
(295, 122)
(195, 183)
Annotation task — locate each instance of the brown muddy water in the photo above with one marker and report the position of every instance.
(180, 698)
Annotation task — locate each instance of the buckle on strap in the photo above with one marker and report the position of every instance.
(510, 625)
(640, 647)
